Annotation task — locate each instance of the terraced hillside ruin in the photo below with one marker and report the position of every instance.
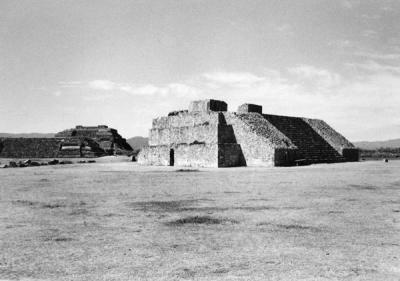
(207, 135)
(72, 143)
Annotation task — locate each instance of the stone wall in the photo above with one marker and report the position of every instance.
(155, 156)
(193, 155)
(49, 148)
(29, 147)
(181, 135)
(197, 139)
(196, 155)
(186, 119)
(196, 134)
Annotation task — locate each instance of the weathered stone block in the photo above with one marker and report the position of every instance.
(196, 155)
(185, 119)
(155, 155)
(184, 135)
(248, 107)
(207, 106)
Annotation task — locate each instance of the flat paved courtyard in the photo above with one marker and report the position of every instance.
(120, 221)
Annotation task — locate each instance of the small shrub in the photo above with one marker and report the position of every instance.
(188, 170)
(194, 220)
(52, 205)
(25, 203)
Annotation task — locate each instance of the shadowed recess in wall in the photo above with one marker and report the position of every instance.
(227, 155)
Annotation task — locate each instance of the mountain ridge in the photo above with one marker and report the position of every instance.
(370, 145)
(137, 142)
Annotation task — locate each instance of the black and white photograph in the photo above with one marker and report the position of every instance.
(222, 140)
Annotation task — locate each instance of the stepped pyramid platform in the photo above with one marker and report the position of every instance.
(107, 139)
(207, 135)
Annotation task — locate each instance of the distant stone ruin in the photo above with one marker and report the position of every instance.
(207, 135)
(72, 143)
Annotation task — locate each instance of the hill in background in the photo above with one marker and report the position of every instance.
(138, 142)
(371, 145)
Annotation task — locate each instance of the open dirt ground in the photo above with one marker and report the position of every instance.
(120, 221)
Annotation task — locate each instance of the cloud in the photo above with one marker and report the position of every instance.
(284, 28)
(172, 89)
(350, 4)
(104, 85)
(341, 44)
(313, 76)
(375, 68)
(309, 91)
(370, 94)
(369, 33)
(233, 78)
(143, 90)
(368, 17)
(70, 84)
(378, 56)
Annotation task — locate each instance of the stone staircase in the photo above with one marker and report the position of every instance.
(311, 146)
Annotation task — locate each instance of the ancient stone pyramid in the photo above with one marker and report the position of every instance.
(106, 139)
(207, 135)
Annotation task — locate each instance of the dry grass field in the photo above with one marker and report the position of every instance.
(120, 221)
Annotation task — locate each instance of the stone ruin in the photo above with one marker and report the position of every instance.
(207, 135)
(78, 142)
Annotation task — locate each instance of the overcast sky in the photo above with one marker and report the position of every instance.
(123, 63)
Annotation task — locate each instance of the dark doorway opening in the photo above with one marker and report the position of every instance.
(171, 157)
